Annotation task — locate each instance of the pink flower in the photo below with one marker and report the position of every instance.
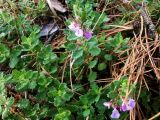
(74, 26)
(79, 32)
(107, 104)
(115, 114)
(125, 1)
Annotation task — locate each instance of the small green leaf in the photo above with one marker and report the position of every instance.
(71, 46)
(101, 66)
(42, 81)
(13, 62)
(86, 113)
(53, 69)
(10, 101)
(32, 85)
(92, 64)
(62, 115)
(4, 52)
(112, 94)
(58, 101)
(5, 113)
(117, 41)
(23, 103)
(108, 57)
(68, 96)
(72, 36)
(77, 54)
(2, 35)
(92, 76)
(30, 42)
(94, 50)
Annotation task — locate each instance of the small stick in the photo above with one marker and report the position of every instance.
(155, 116)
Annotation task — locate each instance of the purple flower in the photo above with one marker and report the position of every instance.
(124, 107)
(131, 104)
(107, 104)
(115, 114)
(88, 35)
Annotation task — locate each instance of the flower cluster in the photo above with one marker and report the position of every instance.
(79, 32)
(126, 106)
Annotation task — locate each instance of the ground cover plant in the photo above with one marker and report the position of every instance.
(79, 59)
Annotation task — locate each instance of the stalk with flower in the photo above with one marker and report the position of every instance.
(120, 87)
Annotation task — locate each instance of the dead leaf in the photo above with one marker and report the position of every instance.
(56, 5)
(48, 29)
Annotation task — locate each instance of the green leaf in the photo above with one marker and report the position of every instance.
(71, 36)
(30, 42)
(101, 66)
(1, 109)
(22, 86)
(46, 56)
(71, 46)
(13, 62)
(58, 101)
(92, 75)
(4, 52)
(117, 41)
(112, 94)
(10, 101)
(86, 113)
(84, 99)
(102, 38)
(100, 106)
(32, 85)
(68, 96)
(92, 42)
(2, 35)
(5, 113)
(23, 103)
(62, 115)
(77, 54)
(94, 50)
(92, 64)
(79, 61)
(43, 81)
(53, 69)
(108, 57)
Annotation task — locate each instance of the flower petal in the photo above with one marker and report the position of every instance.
(79, 32)
(74, 26)
(131, 104)
(107, 104)
(88, 35)
(124, 107)
(115, 114)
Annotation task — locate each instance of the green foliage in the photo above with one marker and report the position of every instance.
(4, 52)
(60, 95)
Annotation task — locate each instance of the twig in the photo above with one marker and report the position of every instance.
(155, 116)
(71, 64)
